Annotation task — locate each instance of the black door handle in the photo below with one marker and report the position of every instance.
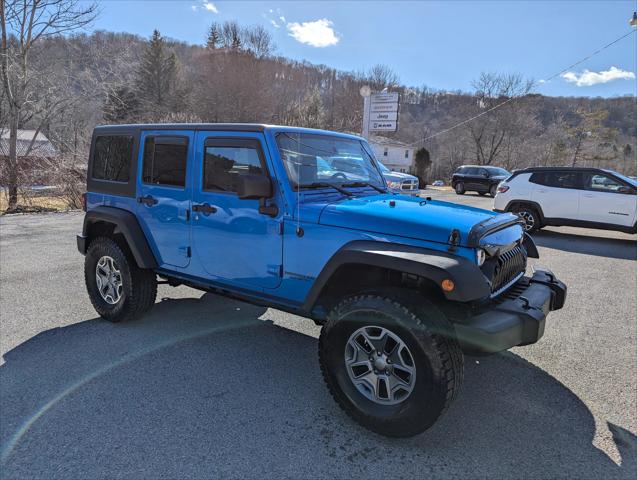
(204, 208)
(148, 200)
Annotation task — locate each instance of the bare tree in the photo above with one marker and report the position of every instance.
(24, 24)
(489, 132)
(381, 76)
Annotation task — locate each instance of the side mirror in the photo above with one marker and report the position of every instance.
(254, 186)
(624, 189)
(485, 174)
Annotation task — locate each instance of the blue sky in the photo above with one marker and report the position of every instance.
(444, 45)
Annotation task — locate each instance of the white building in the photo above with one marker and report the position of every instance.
(395, 155)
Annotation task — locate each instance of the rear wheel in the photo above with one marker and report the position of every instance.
(460, 188)
(119, 290)
(493, 190)
(530, 216)
(391, 363)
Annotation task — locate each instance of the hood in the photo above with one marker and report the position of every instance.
(413, 217)
(397, 176)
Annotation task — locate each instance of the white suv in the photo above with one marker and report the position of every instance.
(579, 197)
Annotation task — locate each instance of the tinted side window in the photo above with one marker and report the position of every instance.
(471, 171)
(224, 165)
(601, 183)
(165, 161)
(112, 157)
(556, 179)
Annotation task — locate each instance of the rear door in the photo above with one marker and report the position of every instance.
(605, 199)
(232, 241)
(557, 193)
(163, 200)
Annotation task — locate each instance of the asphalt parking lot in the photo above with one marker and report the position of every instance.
(205, 387)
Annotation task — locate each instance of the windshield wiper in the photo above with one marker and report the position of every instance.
(325, 185)
(364, 184)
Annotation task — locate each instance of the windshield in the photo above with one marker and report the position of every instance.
(629, 180)
(500, 172)
(317, 159)
(383, 168)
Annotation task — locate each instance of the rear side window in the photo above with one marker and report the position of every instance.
(165, 161)
(112, 157)
(224, 164)
(556, 179)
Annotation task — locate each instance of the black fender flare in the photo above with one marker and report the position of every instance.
(531, 203)
(470, 283)
(125, 223)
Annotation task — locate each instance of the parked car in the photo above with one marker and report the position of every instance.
(400, 182)
(438, 183)
(401, 286)
(479, 179)
(580, 197)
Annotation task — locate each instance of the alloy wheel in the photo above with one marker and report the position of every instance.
(380, 365)
(109, 280)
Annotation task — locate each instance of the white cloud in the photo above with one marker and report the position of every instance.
(588, 78)
(210, 7)
(274, 24)
(317, 34)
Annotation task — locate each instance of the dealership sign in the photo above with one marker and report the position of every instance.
(383, 112)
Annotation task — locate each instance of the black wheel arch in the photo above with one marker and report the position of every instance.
(116, 221)
(431, 265)
(536, 206)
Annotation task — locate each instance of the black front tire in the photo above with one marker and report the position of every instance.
(493, 190)
(531, 217)
(459, 188)
(439, 362)
(139, 286)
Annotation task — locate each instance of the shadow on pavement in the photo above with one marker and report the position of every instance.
(210, 388)
(588, 245)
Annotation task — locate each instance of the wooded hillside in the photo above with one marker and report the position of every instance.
(80, 81)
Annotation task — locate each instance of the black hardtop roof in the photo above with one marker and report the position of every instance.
(560, 169)
(239, 127)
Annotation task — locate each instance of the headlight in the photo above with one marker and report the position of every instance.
(481, 256)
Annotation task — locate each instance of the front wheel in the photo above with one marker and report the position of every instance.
(119, 290)
(394, 366)
(530, 216)
(493, 190)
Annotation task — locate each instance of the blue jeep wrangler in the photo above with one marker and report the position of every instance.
(273, 215)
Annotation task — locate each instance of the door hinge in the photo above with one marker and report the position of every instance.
(281, 269)
(281, 228)
(189, 252)
(187, 214)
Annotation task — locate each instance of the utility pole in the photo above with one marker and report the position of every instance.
(366, 92)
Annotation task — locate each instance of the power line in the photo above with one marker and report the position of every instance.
(464, 122)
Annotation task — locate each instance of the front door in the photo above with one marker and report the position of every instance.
(557, 193)
(232, 241)
(163, 196)
(605, 199)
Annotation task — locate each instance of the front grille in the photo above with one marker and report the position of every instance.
(509, 267)
(409, 185)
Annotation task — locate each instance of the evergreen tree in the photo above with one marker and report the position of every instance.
(157, 73)
(213, 37)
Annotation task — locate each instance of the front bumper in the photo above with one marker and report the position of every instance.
(515, 318)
